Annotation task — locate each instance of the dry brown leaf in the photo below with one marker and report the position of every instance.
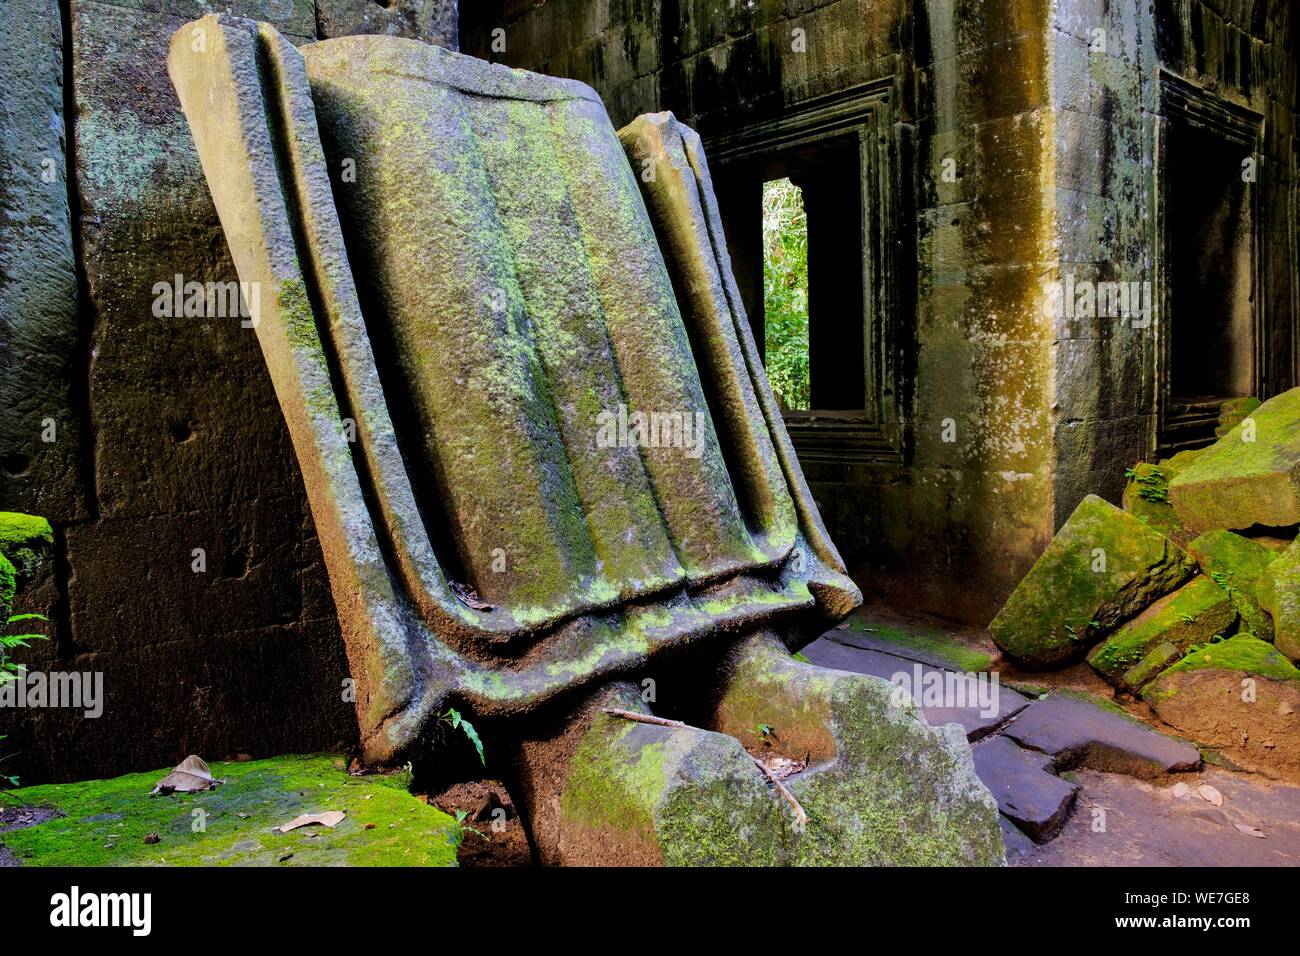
(191, 775)
(1210, 794)
(1249, 831)
(469, 597)
(331, 819)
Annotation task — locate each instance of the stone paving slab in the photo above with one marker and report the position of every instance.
(1028, 793)
(1075, 733)
(1144, 824)
(837, 654)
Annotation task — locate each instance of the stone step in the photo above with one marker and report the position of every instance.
(1075, 732)
(976, 721)
(1028, 793)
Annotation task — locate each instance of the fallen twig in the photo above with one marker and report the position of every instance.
(800, 815)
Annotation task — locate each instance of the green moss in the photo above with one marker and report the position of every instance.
(23, 531)
(1237, 565)
(931, 641)
(105, 822)
(1245, 653)
(1102, 567)
(618, 776)
(1193, 614)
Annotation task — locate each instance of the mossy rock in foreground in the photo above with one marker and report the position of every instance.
(882, 787)
(105, 822)
(1102, 567)
(1194, 614)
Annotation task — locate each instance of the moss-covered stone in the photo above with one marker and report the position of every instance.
(1146, 495)
(1248, 477)
(1240, 698)
(24, 542)
(1245, 653)
(1233, 412)
(634, 793)
(1194, 614)
(1278, 593)
(1103, 566)
(1236, 564)
(883, 787)
(105, 822)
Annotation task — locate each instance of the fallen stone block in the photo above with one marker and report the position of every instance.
(1027, 792)
(883, 787)
(608, 791)
(1146, 495)
(1237, 565)
(1103, 566)
(1249, 476)
(1240, 697)
(1278, 593)
(1076, 732)
(1194, 614)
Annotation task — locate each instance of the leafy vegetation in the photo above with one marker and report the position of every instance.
(785, 293)
(9, 671)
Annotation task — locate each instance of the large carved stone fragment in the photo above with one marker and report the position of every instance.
(530, 468)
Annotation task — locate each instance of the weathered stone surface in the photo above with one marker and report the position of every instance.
(1194, 614)
(40, 419)
(105, 822)
(1237, 565)
(508, 197)
(1278, 592)
(1027, 792)
(1146, 495)
(1249, 476)
(1148, 825)
(1018, 846)
(1102, 567)
(960, 708)
(433, 21)
(607, 791)
(883, 787)
(1077, 732)
(1240, 697)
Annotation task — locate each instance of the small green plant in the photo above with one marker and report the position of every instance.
(762, 731)
(455, 721)
(460, 818)
(10, 671)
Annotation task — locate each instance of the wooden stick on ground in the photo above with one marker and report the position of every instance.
(800, 816)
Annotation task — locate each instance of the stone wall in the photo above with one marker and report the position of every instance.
(167, 434)
(1009, 415)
